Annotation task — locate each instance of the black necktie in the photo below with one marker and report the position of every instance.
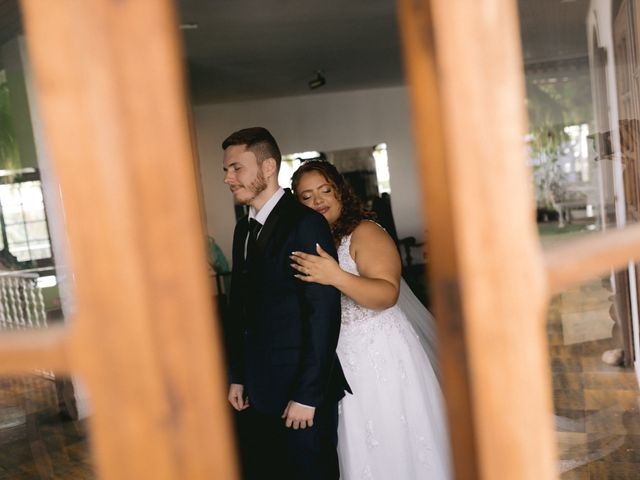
(254, 230)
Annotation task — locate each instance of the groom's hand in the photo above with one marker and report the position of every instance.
(236, 397)
(298, 416)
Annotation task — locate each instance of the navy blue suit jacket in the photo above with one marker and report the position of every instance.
(283, 331)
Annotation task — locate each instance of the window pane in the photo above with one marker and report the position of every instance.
(38, 253)
(12, 214)
(37, 231)
(25, 220)
(31, 193)
(21, 252)
(34, 213)
(583, 99)
(10, 195)
(16, 234)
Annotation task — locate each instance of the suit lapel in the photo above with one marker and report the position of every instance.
(272, 220)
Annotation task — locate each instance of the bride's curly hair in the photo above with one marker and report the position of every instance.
(352, 210)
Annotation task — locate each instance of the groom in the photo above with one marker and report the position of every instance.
(285, 375)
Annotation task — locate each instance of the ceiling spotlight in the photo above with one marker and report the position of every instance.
(318, 81)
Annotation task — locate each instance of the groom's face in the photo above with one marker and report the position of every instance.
(243, 174)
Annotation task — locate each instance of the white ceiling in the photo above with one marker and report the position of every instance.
(255, 48)
(553, 29)
(246, 49)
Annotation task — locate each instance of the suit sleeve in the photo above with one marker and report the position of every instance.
(321, 314)
(234, 329)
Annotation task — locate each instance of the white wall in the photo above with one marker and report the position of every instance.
(331, 121)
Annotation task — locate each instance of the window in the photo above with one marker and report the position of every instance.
(24, 242)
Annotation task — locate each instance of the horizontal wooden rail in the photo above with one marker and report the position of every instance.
(576, 260)
(24, 350)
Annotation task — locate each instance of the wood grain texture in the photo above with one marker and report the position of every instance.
(111, 87)
(26, 350)
(580, 259)
(418, 46)
(464, 69)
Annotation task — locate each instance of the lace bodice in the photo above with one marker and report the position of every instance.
(347, 263)
(351, 311)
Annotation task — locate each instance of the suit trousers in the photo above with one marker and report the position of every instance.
(269, 450)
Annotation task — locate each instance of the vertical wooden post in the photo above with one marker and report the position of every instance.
(111, 91)
(465, 74)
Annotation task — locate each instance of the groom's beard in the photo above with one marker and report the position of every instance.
(255, 188)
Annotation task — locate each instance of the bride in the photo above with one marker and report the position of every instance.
(393, 426)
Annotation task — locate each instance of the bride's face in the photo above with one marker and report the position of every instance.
(315, 191)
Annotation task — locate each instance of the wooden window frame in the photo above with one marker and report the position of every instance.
(157, 381)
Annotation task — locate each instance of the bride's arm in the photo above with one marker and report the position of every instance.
(378, 262)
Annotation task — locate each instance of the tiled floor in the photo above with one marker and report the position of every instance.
(36, 442)
(597, 406)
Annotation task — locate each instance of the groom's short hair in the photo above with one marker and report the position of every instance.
(257, 140)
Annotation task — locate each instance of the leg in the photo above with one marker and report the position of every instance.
(312, 451)
(262, 447)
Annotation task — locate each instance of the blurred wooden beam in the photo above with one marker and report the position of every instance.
(418, 44)
(581, 259)
(111, 91)
(465, 73)
(26, 350)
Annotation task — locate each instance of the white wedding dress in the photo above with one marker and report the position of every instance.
(393, 426)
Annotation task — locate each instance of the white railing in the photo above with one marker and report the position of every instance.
(21, 302)
(22, 305)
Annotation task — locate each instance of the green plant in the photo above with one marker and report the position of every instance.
(545, 143)
(9, 156)
(551, 108)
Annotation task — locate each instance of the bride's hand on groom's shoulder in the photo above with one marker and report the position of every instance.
(321, 268)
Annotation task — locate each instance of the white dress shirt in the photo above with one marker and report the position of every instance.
(262, 214)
